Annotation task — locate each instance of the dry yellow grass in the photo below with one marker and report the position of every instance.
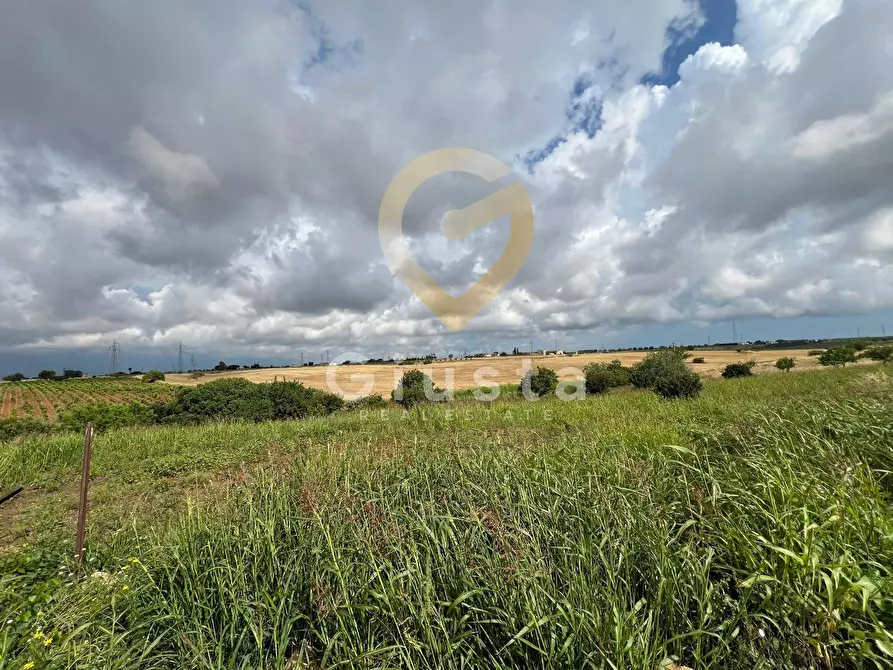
(502, 370)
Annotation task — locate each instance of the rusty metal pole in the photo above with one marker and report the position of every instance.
(85, 484)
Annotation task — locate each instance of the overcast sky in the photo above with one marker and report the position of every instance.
(211, 172)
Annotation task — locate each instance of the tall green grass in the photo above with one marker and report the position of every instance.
(751, 528)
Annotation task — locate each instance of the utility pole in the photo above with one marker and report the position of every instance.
(192, 362)
(180, 350)
(734, 333)
(302, 359)
(115, 349)
(531, 347)
(883, 331)
(858, 332)
(708, 340)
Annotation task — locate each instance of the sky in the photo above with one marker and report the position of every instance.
(211, 174)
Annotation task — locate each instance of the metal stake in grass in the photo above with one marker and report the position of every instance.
(85, 483)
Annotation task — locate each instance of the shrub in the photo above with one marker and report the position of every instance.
(816, 352)
(413, 389)
(785, 364)
(220, 399)
(107, 415)
(196, 375)
(657, 364)
(681, 384)
(603, 376)
(667, 374)
(739, 369)
(698, 360)
(859, 346)
(11, 427)
(153, 376)
(73, 374)
(46, 374)
(838, 357)
(883, 354)
(15, 377)
(293, 400)
(374, 401)
(541, 381)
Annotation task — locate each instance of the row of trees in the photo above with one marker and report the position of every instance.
(46, 375)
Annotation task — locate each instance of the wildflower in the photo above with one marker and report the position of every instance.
(762, 632)
(28, 665)
(47, 642)
(37, 635)
(125, 587)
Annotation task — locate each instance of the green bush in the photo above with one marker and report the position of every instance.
(104, 416)
(603, 376)
(15, 377)
(739, 369)
(883, 354)
(237, 399)
(680, 384)
(816, 352)
(153, 376)
(838, 357)
(541, 381)
(785, 364)
(413, 389)
(666, 372)
(699, 360)
(11, 427)
(46, 374)
(658, 364)
(374, 401)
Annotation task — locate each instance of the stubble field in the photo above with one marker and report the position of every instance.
(498, 370)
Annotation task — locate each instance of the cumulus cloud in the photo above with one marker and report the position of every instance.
(214, 173)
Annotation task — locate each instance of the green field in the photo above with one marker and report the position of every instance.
(750, 528)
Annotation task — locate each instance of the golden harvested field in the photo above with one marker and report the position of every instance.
(500, 370)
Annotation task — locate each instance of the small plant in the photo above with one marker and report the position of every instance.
(540, 381)
(883, 354)
(603, 376)
(838, 357)
(153, 376)
(816, 352)
(785, 364)
(736, 370)
(374, 401)
(684, 384)
(415, 387)
(698, 360)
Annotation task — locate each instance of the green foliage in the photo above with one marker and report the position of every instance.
(681, 384)
(739, 369)
(414, 388)
(540, 381)
(816, 352)
(73, 374)
(698, 360)
(785, 364)
(46, 374)
(14, 427)
(368, 402)
(838, 357)
(656, 364)
(15, 377)
(105, 416)
(881, 354)
(859, 346)
(603, 376)
(153, 376)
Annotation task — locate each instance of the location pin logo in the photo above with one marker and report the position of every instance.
(513, 200)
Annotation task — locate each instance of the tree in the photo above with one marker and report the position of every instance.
(72, 374)
(541, 381)
(413, 389)
(15, 377)
(785, 364)
(739, 369)
(883, 354)
(153, 376)
(859, 346)
(221, 366)
(47, 374)
(603, 376)
(838, 357)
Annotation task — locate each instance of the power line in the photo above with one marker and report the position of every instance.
(115, 349)
(180, 350)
